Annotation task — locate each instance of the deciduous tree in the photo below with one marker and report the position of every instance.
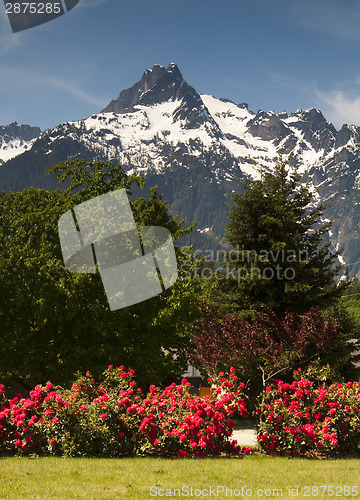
(54, 322)
(266, 347)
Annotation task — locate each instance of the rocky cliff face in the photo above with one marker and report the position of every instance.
(15, 139)
(197, 148)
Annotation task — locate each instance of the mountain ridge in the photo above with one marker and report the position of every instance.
(197, 148)
(15, 139)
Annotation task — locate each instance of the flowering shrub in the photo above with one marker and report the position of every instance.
(18, 419)
(179, 423)
(299, 418)
(113, 419)
(92, 419)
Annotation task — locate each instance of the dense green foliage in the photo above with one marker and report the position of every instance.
(281, 264)
(53, 321)
(279, 255)
(351, 298)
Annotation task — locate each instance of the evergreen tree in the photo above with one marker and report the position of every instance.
(280, 257)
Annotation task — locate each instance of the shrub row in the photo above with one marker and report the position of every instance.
(114, 418)
(301, 418)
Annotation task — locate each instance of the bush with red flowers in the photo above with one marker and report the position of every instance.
(301, 418)
(177, 422)
(113, 419)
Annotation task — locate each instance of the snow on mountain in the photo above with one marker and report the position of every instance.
(141, 132)
(11, 147)
(196, 148)
(162, 112)
(15, 139)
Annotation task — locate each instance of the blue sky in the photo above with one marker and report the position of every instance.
(273, 54)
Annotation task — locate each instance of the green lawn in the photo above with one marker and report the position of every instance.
(46, 478)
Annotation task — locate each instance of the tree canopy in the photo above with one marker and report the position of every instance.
(280, 255)
(54, 322)
(269, 345)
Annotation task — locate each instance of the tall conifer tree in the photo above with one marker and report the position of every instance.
(281, 257)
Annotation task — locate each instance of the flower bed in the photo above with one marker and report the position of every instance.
(114, 419)
(300, 418)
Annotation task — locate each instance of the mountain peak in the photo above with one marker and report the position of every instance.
(315, 128)
(157, 85)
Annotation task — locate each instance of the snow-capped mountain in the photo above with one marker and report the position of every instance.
(15, 139)
(197, 147)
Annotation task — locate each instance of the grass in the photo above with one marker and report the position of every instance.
(59, 478)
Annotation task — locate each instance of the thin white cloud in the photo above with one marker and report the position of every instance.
(72, 89)
(339, 18)
(8, 39)
(288, 83)
(339, 107)
(8, 43)
(3, 15)
(13, 79)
